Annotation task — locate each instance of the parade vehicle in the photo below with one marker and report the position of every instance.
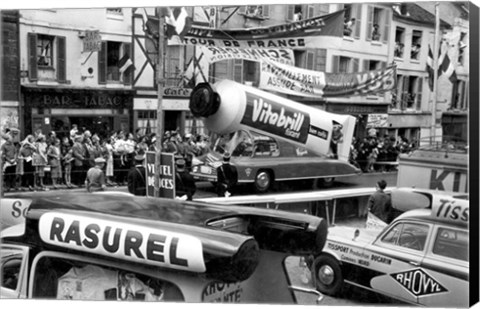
(262, 160)
(271, 138)
(124, 247)
(420, 258)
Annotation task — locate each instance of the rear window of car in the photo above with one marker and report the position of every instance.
(451, 243)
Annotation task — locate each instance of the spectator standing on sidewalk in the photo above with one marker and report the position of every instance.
(54, 160)
(136, 177)
(40, 161)
(27, 151)
(79, 155)
(9, 162)
(95, 180)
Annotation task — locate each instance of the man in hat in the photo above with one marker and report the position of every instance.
(95, 180)
(184, 183)
(136, 177)
(227, 177)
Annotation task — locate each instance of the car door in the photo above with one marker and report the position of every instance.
(447, 264)
(398, 253)
(13, 270)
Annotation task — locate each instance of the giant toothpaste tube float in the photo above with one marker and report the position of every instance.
(228, 106)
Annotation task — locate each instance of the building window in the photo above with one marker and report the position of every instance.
(399, 42)
(409, 92)
(378, 24)
(45, 50)
(172, 67)
(147, 121)
(342, 64)
(416, 45)
(462, 46)
(312, 59)
(460, 95)
(114, 63)
(255, 11)
(294, 13)
(46, 57)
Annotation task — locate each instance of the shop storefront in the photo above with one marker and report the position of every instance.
(175, 108)
(56, 109)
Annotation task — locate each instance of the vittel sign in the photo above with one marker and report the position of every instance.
(275, 118)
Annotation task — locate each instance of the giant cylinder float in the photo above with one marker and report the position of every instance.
(228, 106)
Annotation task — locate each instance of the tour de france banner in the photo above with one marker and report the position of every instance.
(281, 55)
(306, 83)
(306, 33)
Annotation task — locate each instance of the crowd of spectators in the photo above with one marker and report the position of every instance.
(373, 154)
(63, 161)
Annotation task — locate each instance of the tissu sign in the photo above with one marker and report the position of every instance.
(214, 54)
(306, 83)
(306, 33)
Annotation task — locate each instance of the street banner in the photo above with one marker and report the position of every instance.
(167, 178)
(214, 54)
(377, 121)
(296, 81)
(306, 33)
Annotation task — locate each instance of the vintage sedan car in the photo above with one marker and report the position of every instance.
(262, 160)
(113, 246)
(420, 258)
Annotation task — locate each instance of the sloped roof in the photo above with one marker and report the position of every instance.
(414, 13)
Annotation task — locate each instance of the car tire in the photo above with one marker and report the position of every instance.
(329, 277)
(263, 181)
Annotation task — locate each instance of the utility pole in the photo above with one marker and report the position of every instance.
(160, 86)
(436, 48)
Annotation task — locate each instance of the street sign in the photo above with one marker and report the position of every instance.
(92, 41)
(167, 175)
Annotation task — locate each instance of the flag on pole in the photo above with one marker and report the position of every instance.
(448, 69)
(430, 68)
(125, 63)
(178, 22)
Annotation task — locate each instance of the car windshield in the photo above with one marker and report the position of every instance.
(238, 143)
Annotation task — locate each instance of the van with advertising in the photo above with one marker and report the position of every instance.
(83, 246)
(271, 138)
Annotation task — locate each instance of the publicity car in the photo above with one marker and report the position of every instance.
(85, 246)
(421, 257)
(262, 160)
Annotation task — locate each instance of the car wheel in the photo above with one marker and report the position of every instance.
(263, 181)
(329, 277)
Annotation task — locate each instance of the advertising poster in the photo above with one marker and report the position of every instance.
(167, 176)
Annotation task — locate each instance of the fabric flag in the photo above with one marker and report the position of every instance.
(448, 69)
(178, 22)
(125, 63)
(430, 68)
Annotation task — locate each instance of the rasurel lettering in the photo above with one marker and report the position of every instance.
(124, 241)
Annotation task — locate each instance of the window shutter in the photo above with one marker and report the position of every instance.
(128, 74)
(405, 92)
(61, 59)
(242, 10)
(336, 64)
(309, 60)
(102, 64)
(266, 10)
(32, 57)
(321, 9)
(419, 93)
(366, 65)
(358, 20)
(386, 29)
(356, 65)
(290, 12)
(370, 23)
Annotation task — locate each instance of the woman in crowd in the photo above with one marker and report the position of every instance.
(54, 160)
(27, 150)
(40, 161)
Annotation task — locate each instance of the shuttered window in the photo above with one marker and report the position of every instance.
(238, 70)
(46, 52)
(290, 12)
(321, 60)
(128, 74)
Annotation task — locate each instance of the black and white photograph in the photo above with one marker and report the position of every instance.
(264, 153)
